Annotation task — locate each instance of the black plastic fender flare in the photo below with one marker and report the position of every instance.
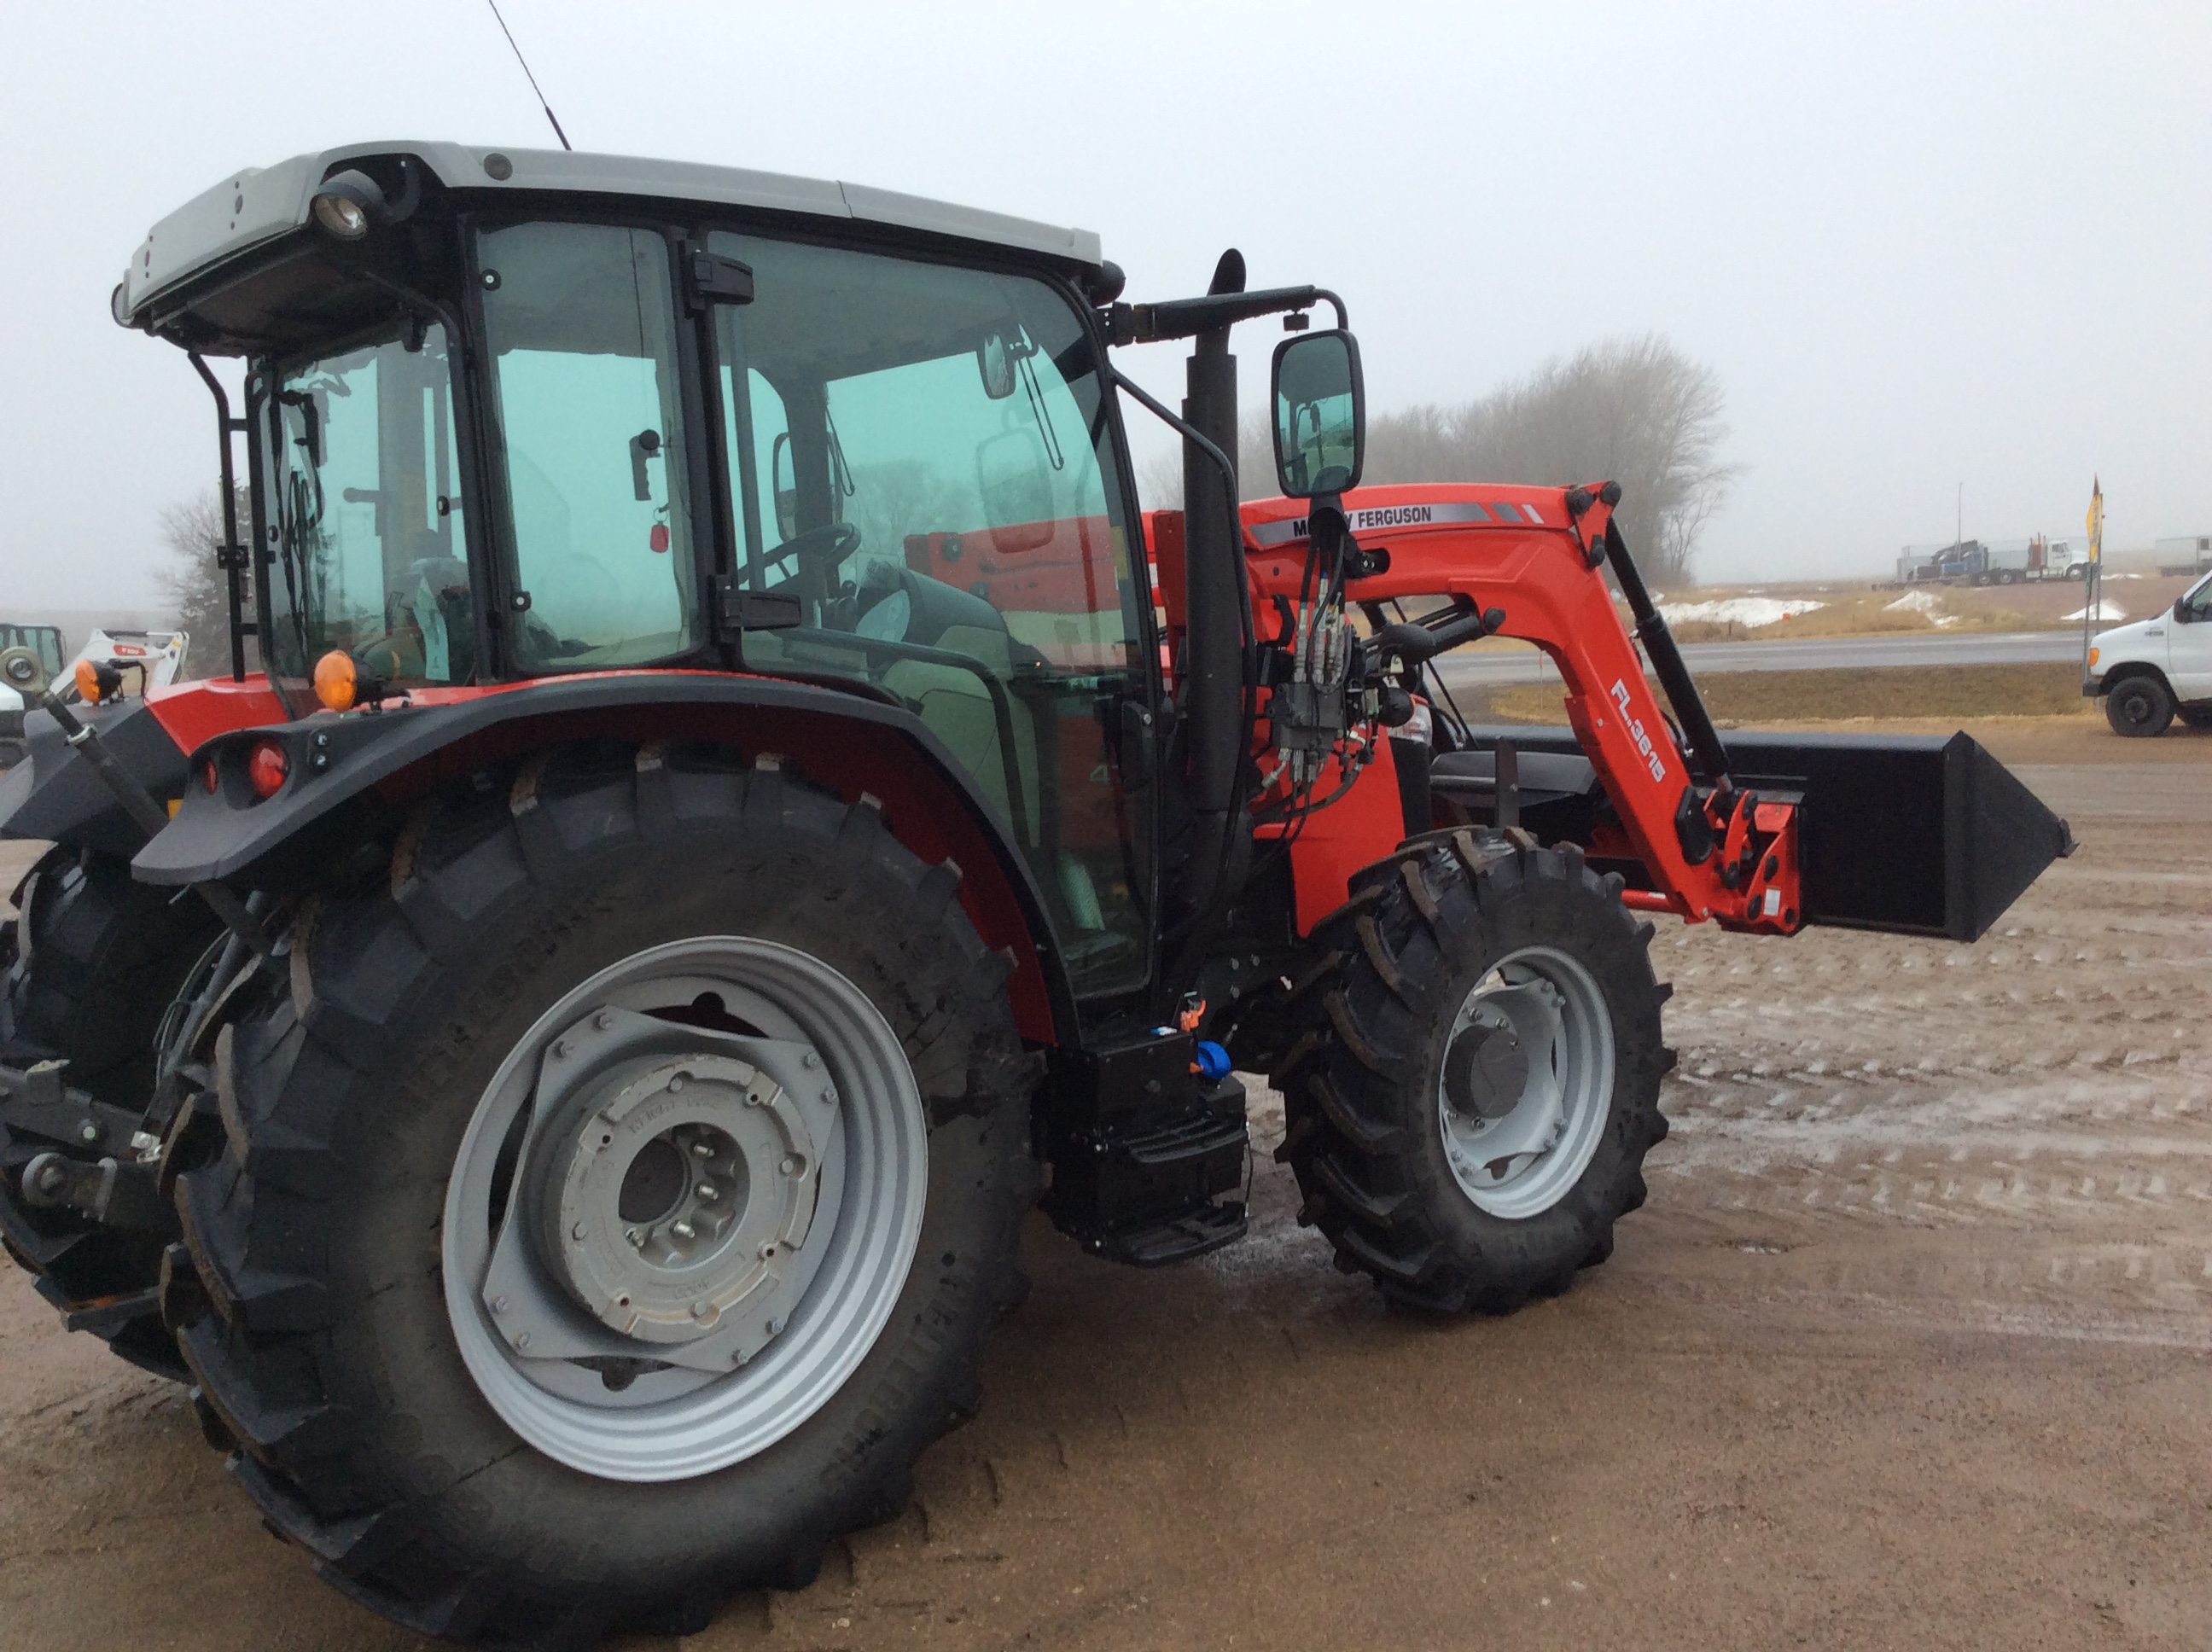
(53, 793)
(333, 757)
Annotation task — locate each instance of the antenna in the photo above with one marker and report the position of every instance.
(527, 75)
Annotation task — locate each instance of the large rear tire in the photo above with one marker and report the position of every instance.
(762, 994)
(94, 963)
(1471, 1112)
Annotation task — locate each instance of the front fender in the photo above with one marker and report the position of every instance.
(855, 744)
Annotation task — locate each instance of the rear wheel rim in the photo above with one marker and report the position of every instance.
(623, 1411)
(1516, 1150)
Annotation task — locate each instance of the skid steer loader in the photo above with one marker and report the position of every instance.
(742, 804)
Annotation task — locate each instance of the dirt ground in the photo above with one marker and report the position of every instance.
(1909, 1348)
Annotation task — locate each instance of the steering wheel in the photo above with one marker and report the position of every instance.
(817, 552)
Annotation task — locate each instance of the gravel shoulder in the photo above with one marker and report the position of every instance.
(1908, 1348)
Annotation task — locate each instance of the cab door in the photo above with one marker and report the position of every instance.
(2189, 643)
(923, 463)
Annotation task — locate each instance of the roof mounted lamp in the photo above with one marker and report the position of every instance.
(348, 204)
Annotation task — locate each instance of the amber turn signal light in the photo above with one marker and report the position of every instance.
(95, 682)
(337, 680)
(268, 769)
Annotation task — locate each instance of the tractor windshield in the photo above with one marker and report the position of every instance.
(369, 559)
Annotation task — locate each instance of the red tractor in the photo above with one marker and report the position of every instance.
(738, 804)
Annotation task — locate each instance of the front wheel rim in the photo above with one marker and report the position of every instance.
(623, 1406)
(1519, 1129)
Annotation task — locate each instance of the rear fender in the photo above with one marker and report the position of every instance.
(350, 772)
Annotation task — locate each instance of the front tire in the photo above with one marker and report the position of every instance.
(1473, 1116)
(383, 1138)
(2139, 707)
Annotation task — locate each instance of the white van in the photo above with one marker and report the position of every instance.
(2149, 670)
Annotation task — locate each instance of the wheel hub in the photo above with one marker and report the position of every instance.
(671, 1196)
(1525, 1079)
(669, 1181)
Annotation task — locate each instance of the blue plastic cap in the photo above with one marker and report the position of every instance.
(1213, 1062)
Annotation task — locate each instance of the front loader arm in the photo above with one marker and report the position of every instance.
(1710, 851)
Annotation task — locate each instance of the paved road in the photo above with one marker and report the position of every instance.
(1980, 648)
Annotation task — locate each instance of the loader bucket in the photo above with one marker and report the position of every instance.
(1919, 835)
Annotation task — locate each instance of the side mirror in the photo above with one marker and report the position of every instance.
(995, 356)
(784, 485)
(1321, 413)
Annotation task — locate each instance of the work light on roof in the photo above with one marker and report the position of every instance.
(348, 204)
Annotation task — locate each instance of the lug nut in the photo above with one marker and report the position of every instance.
(576, 1232)
(701, 1310)
(560, 1048)
(702, 1149)
(634, 1237)
(810, 1059)
(499, 1304)
(676, 1082)
(709, 1192)
(683, 1230)
(792, 1164)
(522, 1341)
(829, 1096)
(603, 1021)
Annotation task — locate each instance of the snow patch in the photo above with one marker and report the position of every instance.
(2105, 610)
(1752, 611)
(1915, 602)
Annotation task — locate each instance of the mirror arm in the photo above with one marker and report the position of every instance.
(420, 304)
(1189, 432)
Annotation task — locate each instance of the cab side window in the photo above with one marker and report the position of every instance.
(582, 329)
(372, 559)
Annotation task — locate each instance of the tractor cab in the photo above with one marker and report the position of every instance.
(514, 417)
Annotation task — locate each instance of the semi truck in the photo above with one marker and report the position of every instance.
(2191, 554)
(1978, 563)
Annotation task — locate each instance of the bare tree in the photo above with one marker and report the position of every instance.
(195, 590)
(1632, 410)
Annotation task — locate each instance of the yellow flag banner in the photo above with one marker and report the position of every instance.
(2095, 520)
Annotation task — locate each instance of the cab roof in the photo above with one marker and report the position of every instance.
(260, 204)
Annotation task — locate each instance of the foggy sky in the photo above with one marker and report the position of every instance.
(1920, 245)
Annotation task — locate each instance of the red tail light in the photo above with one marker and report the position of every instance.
(268, 769)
